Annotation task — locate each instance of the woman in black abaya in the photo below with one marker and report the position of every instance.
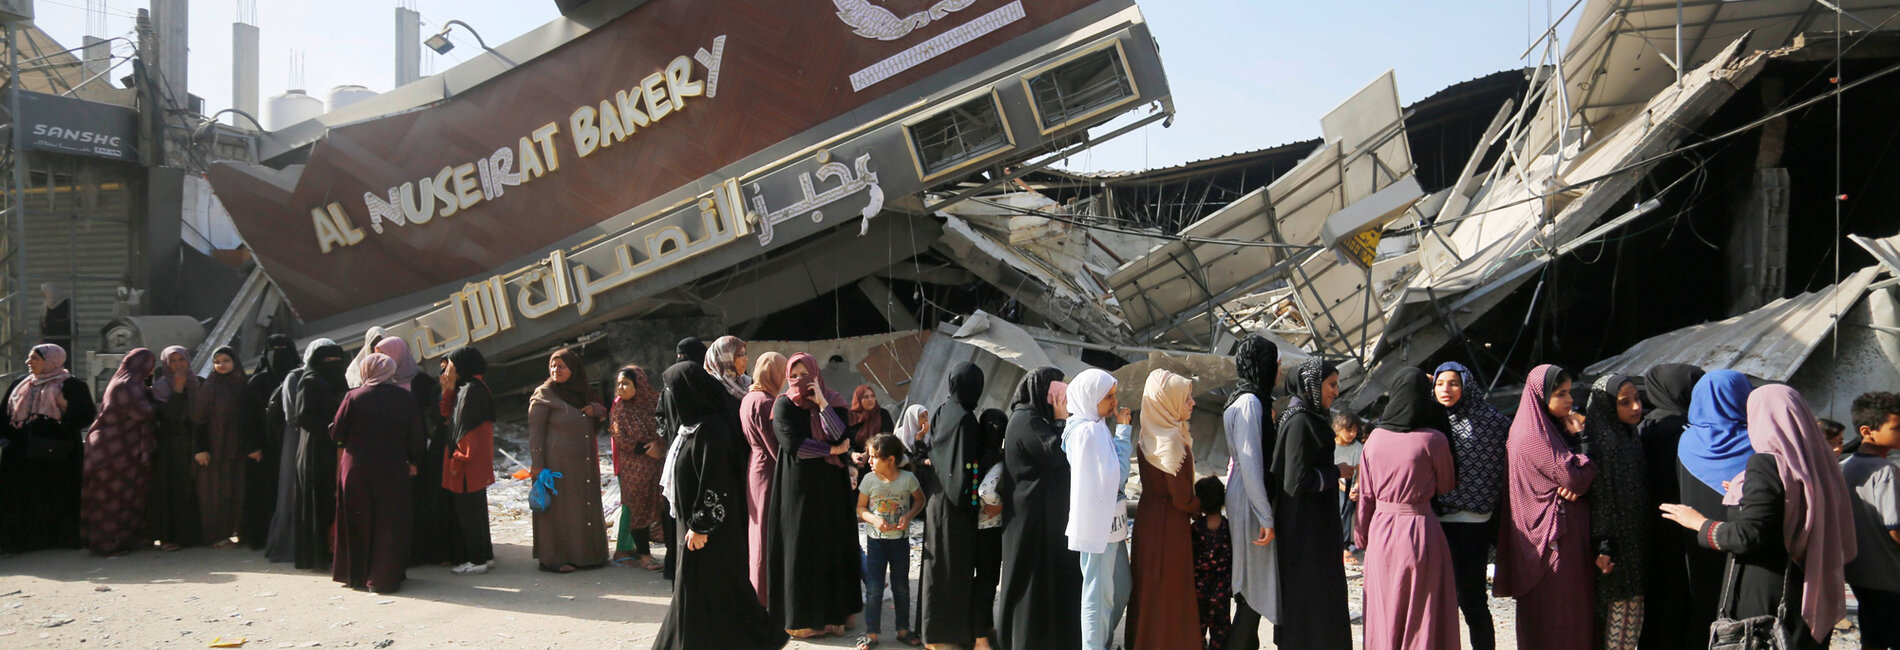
(1041, 576)
(319, 393)
(949, 598)
(267, 436)
(1306, 516)
(813, 560)
(714, 604)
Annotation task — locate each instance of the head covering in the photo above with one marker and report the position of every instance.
(1307, 384)
(1095, 471)
(377, 370)
(43, 393)
(127, 392)
(225, 396)
(574, 391)
(398, 351)
(910, 427)
(691, 399)
(690, 349)
(161, 383)
(1817, 525)
(1033, 393)
(328, 363)
(1715, 446)
(311, 350)
(633, 419)
(54, 293)
(1164, 420)
(865, 422)
(995, 425)
(768, 374)
(1478, 433)
(966, 385)
(804, 394)
(469, 363)
(1411, 407)
(1668, 389)
(1257, 361)
(1527, 547)
(474, 404)
(280, 357)
(722, 362)
(354, 375)
(1599, 413)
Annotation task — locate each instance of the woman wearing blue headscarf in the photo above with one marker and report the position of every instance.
(1713, 450)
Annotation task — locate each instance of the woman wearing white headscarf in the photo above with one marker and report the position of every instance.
(354, 375)
(1098, 510)
(1164, 612)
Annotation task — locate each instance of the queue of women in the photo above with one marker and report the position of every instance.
(791, 507)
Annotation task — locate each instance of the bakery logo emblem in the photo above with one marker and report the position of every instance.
(878, 23)
(872, 21)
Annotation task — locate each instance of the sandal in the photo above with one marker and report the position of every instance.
(653, 565)
(909, 638)
(866, 643)
(805, 635)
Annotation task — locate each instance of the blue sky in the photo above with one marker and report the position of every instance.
(1245, 74)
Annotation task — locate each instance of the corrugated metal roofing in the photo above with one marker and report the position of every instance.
(1771, 342)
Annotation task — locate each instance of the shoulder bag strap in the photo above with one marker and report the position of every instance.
(1731, 584)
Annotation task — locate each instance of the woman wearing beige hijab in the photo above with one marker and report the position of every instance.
(1163, 613)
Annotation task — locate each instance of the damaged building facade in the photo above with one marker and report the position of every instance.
(897, 205)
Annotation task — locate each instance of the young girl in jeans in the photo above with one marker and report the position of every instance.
(888, 499)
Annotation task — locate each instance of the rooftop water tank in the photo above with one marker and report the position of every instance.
(345, 95)
(290, 108)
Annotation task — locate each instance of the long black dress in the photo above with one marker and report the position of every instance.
(949, 599)
(714, 604)
(1706, 566)
(1313, 612)
(1041, 576)
(280, 430)
(172, 512)
(435, 534)
(1667, 620)
(267, 436)
(1753, 531)
(814, 560)
(39, 497)
(318, 395)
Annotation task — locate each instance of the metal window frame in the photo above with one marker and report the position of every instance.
(916, 152)
(1128, 75)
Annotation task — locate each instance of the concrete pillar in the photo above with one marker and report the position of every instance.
(408, 46)
(97, 56)
(171, 20)
(244, 95)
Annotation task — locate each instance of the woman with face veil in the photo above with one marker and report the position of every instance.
(280, 413)
(949, 570)
(814, 562)
(1544, 558)
(1041, 576)
(1410, 600)
(267, 433)
(714, 604)
(318, 394)
(1312, 579)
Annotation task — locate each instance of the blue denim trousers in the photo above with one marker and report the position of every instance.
(1106, 581)
(879, 554)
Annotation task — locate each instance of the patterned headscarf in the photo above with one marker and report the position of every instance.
(41, 394)
(722, 362)
(1306, 386)
(1257, 361)
(127, 392)
(1540, 463)
(1478, 434)
(633, 419)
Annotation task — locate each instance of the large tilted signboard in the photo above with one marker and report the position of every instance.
(76, 126)
(654, 101)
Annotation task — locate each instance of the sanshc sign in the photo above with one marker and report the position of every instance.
(76, 126)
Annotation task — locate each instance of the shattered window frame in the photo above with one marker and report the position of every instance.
(1045, 86)
(939, 132)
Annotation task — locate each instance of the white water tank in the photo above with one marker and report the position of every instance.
(345, 95)
(290, 108)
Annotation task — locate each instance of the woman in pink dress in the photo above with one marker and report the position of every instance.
(1544, 555)
(1411, 602)
(755, 420)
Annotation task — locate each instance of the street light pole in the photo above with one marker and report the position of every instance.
(441, 44)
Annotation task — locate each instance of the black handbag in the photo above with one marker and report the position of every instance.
(1766, 632)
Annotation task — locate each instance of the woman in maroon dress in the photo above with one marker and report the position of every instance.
(755, 422)
(1544, 555)
(119, 460)
(379, 427)
(1411, 603)
(1164, 613)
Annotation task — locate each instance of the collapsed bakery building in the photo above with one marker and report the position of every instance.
(1698, 181)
